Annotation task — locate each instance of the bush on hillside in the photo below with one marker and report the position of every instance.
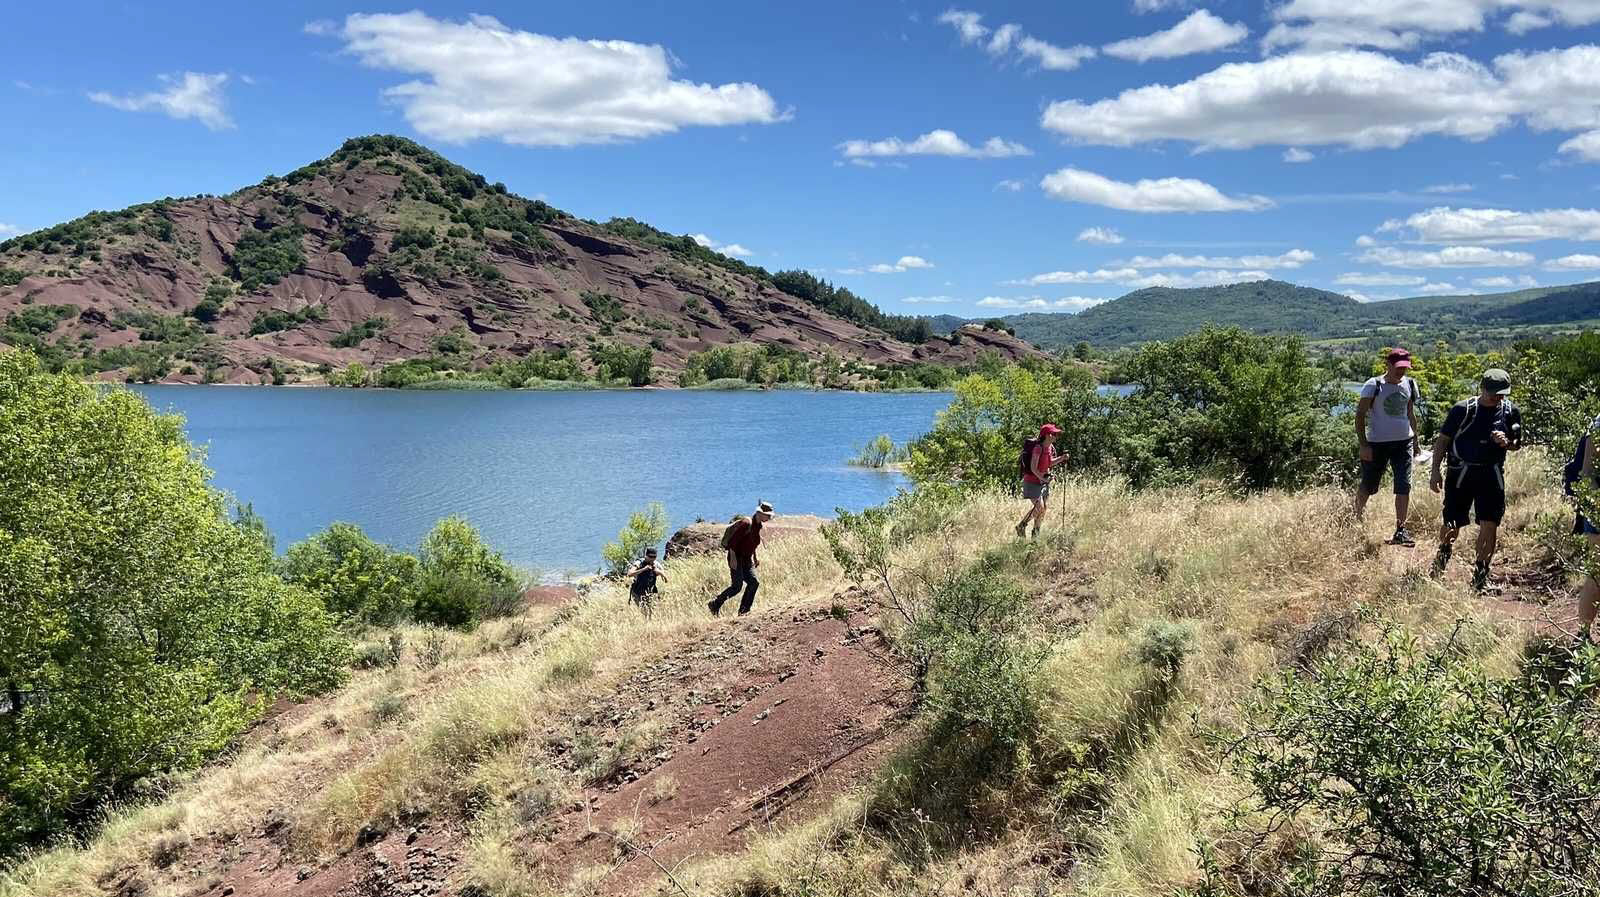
(1412, 771)
(462, 580)
(141, 630)
(630, 363)
(262, 258)
(356, 578)
(645, 529)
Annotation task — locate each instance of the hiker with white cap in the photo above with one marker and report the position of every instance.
(1386, 428)
(742, 538)
(1475, 437)
(1036, 464)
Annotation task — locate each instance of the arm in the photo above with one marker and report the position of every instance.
(1589, 455)
(1441, 445)
(1416, 431)
(1363, 407)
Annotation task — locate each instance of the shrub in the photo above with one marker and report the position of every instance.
(880, 452)
(420, 237)
(1164, 644)
(206, 311)
(354, 375)
(359, 333)
(1412, 771)
(274, 320)
(142, 630)
(645, 529)
(455, 341)
(354, 576)
(623, 363)
(262, 258)
(463, 580)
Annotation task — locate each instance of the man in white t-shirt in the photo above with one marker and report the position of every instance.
(1386, 427)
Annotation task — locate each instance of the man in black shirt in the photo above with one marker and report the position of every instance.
(1475, 437)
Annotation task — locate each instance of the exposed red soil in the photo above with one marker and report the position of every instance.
(765, 722)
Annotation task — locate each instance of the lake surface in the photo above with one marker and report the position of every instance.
(547, 477)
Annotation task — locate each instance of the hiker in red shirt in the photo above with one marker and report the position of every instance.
(743, 539)
(1037, 462)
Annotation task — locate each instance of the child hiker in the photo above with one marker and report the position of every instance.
(643, 589)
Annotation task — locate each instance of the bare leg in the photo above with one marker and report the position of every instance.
(1448, 534)
(1402, 506)
(1361, 502)
(1488, 534)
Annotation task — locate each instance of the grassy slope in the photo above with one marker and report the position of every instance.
(1249, 575)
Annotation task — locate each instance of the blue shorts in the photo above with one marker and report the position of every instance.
(1396, 455)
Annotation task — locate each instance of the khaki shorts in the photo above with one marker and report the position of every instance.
(1032, 491)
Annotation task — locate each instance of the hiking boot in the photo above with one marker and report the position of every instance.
(714, 607)
(1480, 576)
(1402, 536)
(1022, 529)
(1442, 560)
(1035, 536)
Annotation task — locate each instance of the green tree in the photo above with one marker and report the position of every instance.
(354, 576)
(140, 630)
(462, 580)
(645, 529)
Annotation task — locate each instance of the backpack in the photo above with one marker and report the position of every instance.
(1574, 468)
(727, 532)
(1025, 460)
(1502, 414)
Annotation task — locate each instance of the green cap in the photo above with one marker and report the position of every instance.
(1496, 381)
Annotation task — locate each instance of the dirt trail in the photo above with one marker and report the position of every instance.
(770, 718)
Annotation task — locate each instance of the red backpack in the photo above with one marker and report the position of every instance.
(1025, 460)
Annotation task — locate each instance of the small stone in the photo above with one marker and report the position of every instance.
(227, 890)
(303, 873)
(413, 835)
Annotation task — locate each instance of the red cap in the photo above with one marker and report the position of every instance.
(1048, 429)
(1400, 358)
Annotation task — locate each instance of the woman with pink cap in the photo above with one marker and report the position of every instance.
(1037, 461)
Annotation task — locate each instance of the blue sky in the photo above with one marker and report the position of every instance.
(960, 158)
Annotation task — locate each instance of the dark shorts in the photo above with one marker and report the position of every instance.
(1583, 526)
(1396, 455)
(1480, 490)
(1032, 491)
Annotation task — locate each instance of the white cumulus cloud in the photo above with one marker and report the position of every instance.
(1011, 39)
(1490, 226)
(1580, 262)
(1104, 236)
(1069, 304)
(1353, 98)
(1159, 195)
(904, 263)
(1294, 258)
(939, 142)
(1136, 278)
(1357, 279)
(1200, 32)
(1295, 154)
(1502, 282)
(1402, 25)
(733, 249)
(1585, 146)
(1448, 257)
(482, 79)
(190, 95)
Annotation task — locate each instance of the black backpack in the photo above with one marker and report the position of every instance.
(1025, 460)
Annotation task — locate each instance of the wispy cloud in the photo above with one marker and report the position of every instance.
(1011, 40)
(1068, 304)
(1010, 185)
(1104, 236)
(1295, 155)
(1157, 195)
(929, 300)
(190, 95)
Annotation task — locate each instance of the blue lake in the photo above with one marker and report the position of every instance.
(548, 477)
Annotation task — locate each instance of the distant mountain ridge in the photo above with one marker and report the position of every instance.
(386, 251)
(1276, 306)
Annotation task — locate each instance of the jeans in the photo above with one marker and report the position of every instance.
(744, 576)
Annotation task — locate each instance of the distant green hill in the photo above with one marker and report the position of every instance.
(1279, 307)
